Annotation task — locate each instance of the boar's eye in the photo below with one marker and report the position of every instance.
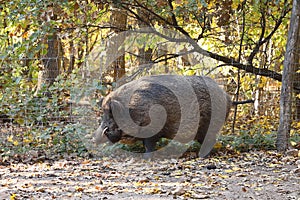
(105, 118)
(110, 114)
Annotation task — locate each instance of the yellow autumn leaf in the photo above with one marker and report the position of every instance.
(228, 170)
(27, 140)
(138, 184)
(187, 194)
(25, 35)
(20, 121)
(236, 169)
(261, 85)
(13, 196)
(273, 165)
(10, 138)
(235, 5)
(218, 145)
(156, 191)
(223, 176)
(16, 143)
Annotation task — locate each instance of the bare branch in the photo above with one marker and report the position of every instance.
(138, 17)
(262, 40)
(196, 48)
(170, 56)
(229, 61)
(261, 37)
(175, 23)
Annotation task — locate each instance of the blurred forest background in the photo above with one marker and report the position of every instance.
(45, 46)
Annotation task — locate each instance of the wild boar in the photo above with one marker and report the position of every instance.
(183, 108)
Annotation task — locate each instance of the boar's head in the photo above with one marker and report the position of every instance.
(108, 129)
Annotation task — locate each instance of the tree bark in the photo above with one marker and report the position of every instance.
(144, 56)
(52, 60)
(296, 81)
(118, 22)
(287, 79)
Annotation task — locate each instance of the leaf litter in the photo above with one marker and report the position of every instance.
(249, 175)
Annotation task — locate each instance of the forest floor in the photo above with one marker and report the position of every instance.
(252, 175)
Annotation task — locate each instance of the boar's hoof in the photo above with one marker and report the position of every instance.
(148, 156)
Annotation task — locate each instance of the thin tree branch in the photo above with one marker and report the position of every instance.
(227, 60)
(261, 37)
(239, 70)
(158, 60)
(175, 23)
(262, 40)
(230, 61)
(139, 18)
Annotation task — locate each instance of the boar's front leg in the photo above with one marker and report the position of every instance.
(149, 144)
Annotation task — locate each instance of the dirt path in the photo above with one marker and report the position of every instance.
(255, 175)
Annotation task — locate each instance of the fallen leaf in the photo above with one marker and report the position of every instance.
(79, 189)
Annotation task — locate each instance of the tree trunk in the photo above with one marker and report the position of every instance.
(52, 61)
(118, 22)
(297, 107)
(144, 56)
(287, 79)
(296, 81)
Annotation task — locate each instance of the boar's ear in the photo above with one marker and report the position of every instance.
(116, 106)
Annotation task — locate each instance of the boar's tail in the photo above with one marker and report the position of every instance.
(242, 102)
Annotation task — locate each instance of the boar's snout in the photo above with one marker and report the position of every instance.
(107, 131)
